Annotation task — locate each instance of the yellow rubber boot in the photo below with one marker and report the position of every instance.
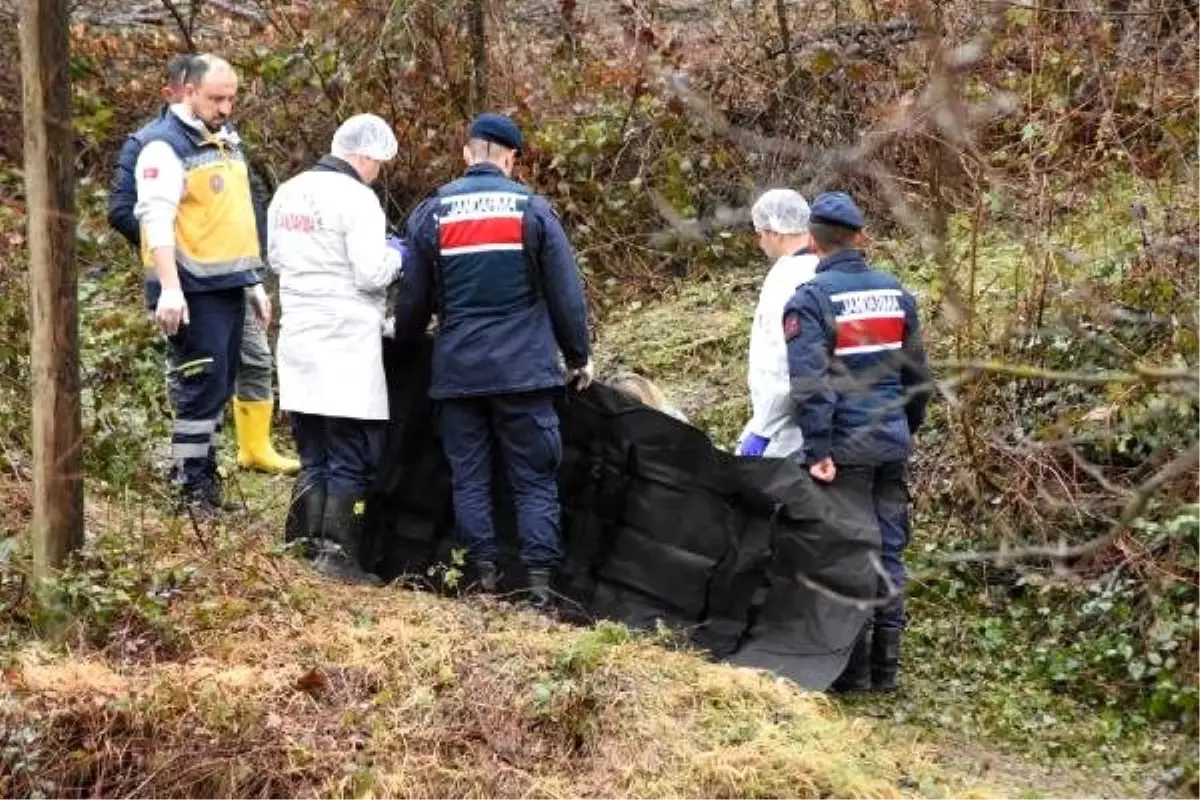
(255, 451)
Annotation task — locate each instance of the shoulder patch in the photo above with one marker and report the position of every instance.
(791, 325)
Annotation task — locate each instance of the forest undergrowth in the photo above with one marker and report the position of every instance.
(1030, 172)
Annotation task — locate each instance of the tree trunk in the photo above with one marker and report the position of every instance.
(785, 37)
(479, 54)
(53, 300)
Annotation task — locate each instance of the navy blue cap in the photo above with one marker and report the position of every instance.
(836, 208)
(496, 128)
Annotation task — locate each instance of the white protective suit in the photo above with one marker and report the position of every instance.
(327, 240)
(770, 384)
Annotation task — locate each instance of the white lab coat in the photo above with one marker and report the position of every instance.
(773, 415)
(327, 240)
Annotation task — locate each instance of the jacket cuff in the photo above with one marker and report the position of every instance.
(816, 448)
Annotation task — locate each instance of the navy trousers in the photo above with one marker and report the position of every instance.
(524, 429)
(890, 496)
(340, 453)
(201, 372)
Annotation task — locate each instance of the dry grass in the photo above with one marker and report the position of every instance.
(280, 684)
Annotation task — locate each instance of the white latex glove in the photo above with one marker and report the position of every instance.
(262, 304)
(171, 312)
(581, 377)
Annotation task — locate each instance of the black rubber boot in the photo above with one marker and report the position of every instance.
(305, 516)
(342, 529)
(541, 596)
(198, 506)
(885, 659)
(856, 677)
(489, 576)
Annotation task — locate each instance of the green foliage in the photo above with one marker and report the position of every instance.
(603, 169)
(124, 395)
(1103, 667)
(110, 597)
(565, 698)
(588, 651)
(449, 575)
(15, 376)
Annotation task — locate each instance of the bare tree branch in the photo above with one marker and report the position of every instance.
(185, 28)
(1005, 554)
(1140, 375)
(890, 593)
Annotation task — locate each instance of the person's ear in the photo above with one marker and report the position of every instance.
(467, 156)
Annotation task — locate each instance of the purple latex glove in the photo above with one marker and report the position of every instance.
(753, 445)
(399, 245)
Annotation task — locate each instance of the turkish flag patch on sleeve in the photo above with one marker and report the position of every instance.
(149, 173)
(791, 325)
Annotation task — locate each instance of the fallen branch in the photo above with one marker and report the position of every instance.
(1140, 374)
(1005, 554)
(890, 590)
(1094, 12)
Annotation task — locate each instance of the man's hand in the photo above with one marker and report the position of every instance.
(824, 470)
(262, 304)
(171, 312)
(581, 377)
(753, 445)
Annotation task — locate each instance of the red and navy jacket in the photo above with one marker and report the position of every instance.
(490, 258)
(859, 377)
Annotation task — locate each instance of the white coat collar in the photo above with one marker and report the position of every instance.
(185, 115)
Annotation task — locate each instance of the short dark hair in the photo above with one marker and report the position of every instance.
(196, 70)
(486, 148)
(831, 238)
(177, 67)
(199, 66)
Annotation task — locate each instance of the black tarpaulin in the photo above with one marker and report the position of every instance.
(748, 559)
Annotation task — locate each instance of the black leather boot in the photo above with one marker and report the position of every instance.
(342, 530)
(856, 677)
(885, 659)
(199, 488)
(489, 576)
(305, 516)
(541, 596)
(214, 489)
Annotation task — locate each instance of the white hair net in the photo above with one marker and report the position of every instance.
(365, 135)
(781, 211)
